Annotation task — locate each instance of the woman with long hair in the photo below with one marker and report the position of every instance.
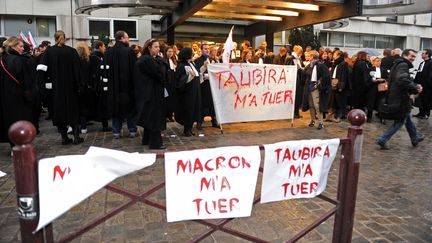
(16, 87)
(188, 92)
(87, 101)
(362, 80)
(246, 56)
(150, 80)
(59, 70)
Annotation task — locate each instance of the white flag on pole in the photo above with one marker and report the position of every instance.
(228, 46)
(31, 40)
(65, 181)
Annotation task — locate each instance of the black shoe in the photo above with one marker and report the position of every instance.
(312, 124)
(320, 126)
(382, 145)
(162, 146)
(420, 138)
(199, 126)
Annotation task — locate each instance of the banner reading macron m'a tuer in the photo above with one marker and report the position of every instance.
(297, 169)
(251, 92)
(211, 183)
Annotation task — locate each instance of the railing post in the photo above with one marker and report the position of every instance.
(22, 134)
(348, 178)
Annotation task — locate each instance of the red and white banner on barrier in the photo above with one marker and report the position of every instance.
(297, 169)
(251, 92)
(211, 183)
(65, 181)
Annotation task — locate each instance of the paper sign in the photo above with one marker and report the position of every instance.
(65, 181)
(251, 92)
(297, 169)
(2, 173)
(211, 183)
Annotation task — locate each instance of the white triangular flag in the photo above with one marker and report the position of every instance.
(228, 46)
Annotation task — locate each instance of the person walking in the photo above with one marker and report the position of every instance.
(59, 69)
(118, 65)
(401, 85)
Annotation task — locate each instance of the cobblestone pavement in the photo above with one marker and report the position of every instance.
(393, 202)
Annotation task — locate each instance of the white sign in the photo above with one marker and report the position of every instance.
(65, 181)
(251, 92)
(297, 169)
(211, 183)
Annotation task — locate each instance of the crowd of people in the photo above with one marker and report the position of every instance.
(157, 83)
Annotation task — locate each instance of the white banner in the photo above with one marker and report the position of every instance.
(251, 92)
(211, 183)
(297, 169)
(65, 181)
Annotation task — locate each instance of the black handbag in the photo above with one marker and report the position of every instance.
(390, 111)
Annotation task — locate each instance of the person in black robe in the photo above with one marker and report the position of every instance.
(60, 65)
(16, 87)
(118, 65)
(207, 106)
(387, 61)
(361, 80)
(188, 92)
(424, 78)
(337, 100)
(150, 76)
(298, 62)
(171, 101)
(375, 96)
(96, 79)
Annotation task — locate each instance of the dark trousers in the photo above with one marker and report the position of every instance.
(151, 138)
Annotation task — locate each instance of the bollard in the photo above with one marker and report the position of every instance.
(22, 134)
(349, 174)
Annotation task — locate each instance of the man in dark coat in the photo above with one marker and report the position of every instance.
(424, 78)
(387, 61)
(207, 106)
(401, 86)
(96, 63)
(118, 63)
(59, 68)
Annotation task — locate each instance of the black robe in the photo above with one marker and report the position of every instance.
(189, 97)
(362, 80)
(424, 78)
(16, 100)
(61, 65)
(373, 96)
(207, 106)
(87, 101)
(150, 78)
(118, 65)
(323, 76)
(98, 81)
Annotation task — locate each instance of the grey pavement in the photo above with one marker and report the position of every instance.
(393, 201)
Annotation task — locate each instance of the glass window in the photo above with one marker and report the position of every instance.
(14, 25)
(323, 38)
(383, 42)
(368, 41)
(277, 38)
(336, 39)
(126, 25)
(45, 27)
(99, 27)
(352, 40)
(426, 43)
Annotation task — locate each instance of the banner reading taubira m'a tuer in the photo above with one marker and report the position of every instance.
(252, 92)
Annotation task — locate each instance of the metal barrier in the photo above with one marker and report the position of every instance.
(22, 134)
